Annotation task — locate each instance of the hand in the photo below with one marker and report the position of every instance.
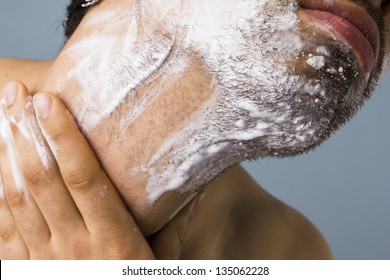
(56, 202)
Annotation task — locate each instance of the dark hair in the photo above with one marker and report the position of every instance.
(75, 14)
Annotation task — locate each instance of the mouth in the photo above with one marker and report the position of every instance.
(347, 23)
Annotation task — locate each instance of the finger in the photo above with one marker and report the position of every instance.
(28, 218)
(96, 198)
(12, 246)
(40, 170)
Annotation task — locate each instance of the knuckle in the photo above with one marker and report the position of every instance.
(58, 136)
(138, 253)
(33, 174)
(8, 233)
(121, 247)
(61, 134)
(116, 251)
(16, 199)
(81, 178)
(71, 244)
(37, 178)
(78, 250)
(80, 254)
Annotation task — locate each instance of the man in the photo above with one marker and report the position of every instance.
(169, 104)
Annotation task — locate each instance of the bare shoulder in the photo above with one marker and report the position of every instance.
(11, 66)
(24, 70)
(279, 231)
(292, 235)
(6, 69)
(270, 229)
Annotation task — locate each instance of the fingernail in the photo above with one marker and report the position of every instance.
(10, 93)
(42, 104)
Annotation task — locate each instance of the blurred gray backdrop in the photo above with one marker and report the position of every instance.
(343, 187)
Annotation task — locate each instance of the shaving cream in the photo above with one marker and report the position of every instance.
(11, 151)
(264, 103)
(27, 124)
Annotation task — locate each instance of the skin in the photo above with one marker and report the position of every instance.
(280, 231)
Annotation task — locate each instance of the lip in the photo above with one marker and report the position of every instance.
(348, 23)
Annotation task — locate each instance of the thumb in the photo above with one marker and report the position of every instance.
(168, 242)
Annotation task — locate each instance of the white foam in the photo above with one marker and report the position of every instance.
(317, 62)
(11, 151)
(110, 66)
(28, 126)
(257, 107)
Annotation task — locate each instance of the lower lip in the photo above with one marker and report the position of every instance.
(343, 31)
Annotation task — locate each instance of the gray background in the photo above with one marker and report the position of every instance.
(343, 187)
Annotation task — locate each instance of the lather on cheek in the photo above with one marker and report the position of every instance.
(275, 88)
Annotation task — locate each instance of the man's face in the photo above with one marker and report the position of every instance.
(283, 76)
(288, 73)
